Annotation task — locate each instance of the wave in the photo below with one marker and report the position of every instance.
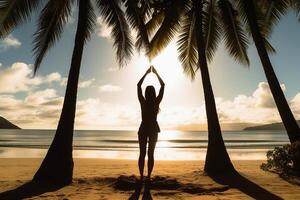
(123, 147)
(191, 141)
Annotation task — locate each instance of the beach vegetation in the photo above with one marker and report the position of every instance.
(284, 161)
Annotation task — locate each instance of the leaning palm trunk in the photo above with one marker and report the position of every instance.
(217, 159)
(57, 166)
(285, 112)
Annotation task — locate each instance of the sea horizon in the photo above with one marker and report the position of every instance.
(123, 144)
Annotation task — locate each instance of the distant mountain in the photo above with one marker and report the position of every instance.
(273, 126)
(224, 126)
(5, 124)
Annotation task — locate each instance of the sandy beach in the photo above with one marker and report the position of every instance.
(96, 179)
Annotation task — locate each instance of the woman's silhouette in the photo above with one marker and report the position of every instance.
(149, 127)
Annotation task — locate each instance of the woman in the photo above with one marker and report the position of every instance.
(149, 128)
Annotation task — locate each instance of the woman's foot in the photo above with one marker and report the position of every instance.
(141, 179)
(147, 180)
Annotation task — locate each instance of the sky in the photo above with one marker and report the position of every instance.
(107, 96)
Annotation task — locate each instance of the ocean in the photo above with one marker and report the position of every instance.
(171, 145)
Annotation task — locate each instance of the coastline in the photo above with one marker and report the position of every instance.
(91, 179)
(171, 145)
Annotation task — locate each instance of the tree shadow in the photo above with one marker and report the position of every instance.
(236, 180)
(137, 192)
(29, 189)
(147, 194)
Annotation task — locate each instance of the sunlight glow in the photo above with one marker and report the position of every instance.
(160, 154)
(167, 65)
(169, 135)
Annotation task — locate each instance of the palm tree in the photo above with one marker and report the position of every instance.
(259, 29)
(57, 166)
(58, 163)
(203, 24)
(217, 159)
(14, 13)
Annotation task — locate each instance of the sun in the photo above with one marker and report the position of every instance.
(166, 64)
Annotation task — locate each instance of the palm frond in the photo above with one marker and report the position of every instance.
(115, 18)
(295, 5)
(89, 20)
(272, 10)
(136, 18)
(168, 28)
(235, 38)
(145, 6)
(187, 47)
(154, 22)
(268, 46)
(14, 13)
(268, 13)
(211, 28)
(264, 28)
(50, 27)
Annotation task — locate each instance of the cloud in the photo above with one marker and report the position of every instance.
(295, 105)
(241, 111)
(103, 29)
(41, 97)
(54, 77)
(94, 113)
(9, 42)
(264, 97)
(112, 69)
(34, 111)
(87, 83)
(0, 64)
(81, 84)
(237, 113)
(64, 81)
(109, 88)
(256, 108)
(18, 78)
(42, 108)
(295, 102)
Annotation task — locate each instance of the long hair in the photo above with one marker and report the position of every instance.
(150, 97)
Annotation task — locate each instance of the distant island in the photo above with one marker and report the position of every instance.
(273, 126)
(224, 126)
(5, 124)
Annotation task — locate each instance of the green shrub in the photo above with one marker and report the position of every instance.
(284, 160)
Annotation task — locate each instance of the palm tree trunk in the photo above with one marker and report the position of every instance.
(58, 164)
(285, 112)
(217, 160)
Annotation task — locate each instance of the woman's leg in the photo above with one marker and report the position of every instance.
(143, 146)
(151, 148)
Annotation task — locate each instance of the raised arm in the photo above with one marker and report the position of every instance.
(162, 86)
(139, 86)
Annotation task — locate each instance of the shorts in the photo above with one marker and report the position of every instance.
(148, 128)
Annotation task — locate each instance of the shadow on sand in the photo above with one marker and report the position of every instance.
(236, 180)
(162, 186)
(29, 189)
(137, 192)
(147, 194)
(125, 183)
